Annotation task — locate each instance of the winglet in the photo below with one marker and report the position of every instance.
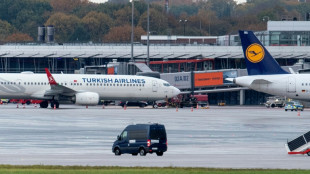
(50, 78)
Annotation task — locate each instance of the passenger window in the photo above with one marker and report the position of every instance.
(124, 135)
(302, 84)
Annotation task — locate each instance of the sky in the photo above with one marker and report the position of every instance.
(100, 1)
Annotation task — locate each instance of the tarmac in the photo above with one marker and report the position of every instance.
(218, 137)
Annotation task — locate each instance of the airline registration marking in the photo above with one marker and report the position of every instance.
(255, 53)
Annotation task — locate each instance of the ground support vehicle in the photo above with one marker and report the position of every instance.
(300, 145)
(275, 102)
(141, 139)
(189, 101)
(141, 104)
(293, 106)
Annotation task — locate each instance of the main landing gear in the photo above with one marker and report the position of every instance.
(54, 103)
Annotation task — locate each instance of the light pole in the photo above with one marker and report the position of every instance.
(184, 22)
(148, 33)
(132, 29)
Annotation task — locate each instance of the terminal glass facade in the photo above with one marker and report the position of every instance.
(289, 38)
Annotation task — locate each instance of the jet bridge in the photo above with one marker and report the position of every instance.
(300, 145)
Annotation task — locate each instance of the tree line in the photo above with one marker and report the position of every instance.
(83, 21)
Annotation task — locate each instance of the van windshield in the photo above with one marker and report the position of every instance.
(157, 132)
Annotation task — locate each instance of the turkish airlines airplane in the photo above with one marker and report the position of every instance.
(265, 74)
(83, 89)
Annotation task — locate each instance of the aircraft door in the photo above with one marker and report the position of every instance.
(155, 86)
(291, 85)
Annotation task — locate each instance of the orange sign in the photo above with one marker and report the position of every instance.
(111, 70)
(208, 79)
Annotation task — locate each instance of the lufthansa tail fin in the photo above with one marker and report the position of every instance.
(257, 58)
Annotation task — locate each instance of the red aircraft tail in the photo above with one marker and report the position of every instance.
(50, 78)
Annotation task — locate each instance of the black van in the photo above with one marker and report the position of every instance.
(142, 139)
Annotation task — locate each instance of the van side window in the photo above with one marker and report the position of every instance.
(124, 135)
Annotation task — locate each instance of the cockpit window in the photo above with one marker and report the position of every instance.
(166, 84)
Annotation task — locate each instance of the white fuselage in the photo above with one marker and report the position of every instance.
(109, 87)
(295, 86)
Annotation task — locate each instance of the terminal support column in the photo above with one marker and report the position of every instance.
(242, 96)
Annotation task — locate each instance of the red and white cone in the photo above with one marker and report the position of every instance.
(125, 107)
(103, 106)
(197, 107)
(192, 108)
(298, 113)
(54, 106)
(17, 106)
(35, 105)
(86, 106)
(176, 109)
(24, 106)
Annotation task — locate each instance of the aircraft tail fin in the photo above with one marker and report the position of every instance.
(258, 59)
(50, 78)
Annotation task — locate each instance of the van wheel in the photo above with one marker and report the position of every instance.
(308, 153)
(134, 154)
(159, 153)
(142, 152)
(117, 152)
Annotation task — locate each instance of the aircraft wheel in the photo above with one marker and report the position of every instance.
(57, 104)
(52, 104)
(44, 104)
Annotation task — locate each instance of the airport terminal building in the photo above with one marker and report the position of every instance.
(172, 56)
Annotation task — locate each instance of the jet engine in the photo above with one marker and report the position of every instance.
(86, 98)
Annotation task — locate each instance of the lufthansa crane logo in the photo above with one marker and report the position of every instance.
(255, 53)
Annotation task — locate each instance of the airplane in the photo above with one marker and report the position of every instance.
(266, 75)
(83, 89)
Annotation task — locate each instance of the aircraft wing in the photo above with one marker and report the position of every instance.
(216, 90)
(57, 89)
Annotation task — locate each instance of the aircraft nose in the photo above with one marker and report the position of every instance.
(176, 91)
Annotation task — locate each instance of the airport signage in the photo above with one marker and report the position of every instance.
(180, 80)
(208, 79)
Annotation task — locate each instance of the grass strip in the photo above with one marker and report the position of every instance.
(39, 169)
